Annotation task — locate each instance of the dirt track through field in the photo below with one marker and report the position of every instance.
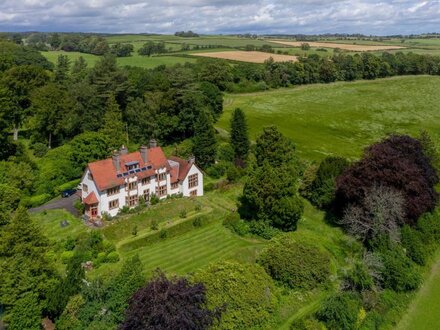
(253, 57)
(354, 48)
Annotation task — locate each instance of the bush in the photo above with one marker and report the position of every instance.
(198, 222)
(216, 171)
(340, 311)
(399, 273)
(412, 241)
(66, 256)
(358, 278)
(234, 173)
(263, 229)
(80, 207)
(101, 258)
(163, 234)
(154, 225)
(307, 324)
(40, 149)
(183, 214)
(245, 290)
(154, 199)
(38, 200)
(234, 223)
(113, 257)
(296, 264)
(429, 226)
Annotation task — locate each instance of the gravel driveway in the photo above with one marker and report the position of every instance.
(62, 203)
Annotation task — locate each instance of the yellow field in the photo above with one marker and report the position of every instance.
(243, 56)
(353, 48)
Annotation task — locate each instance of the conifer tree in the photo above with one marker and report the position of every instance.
(113, 127)
(205, 144)
(239, 137)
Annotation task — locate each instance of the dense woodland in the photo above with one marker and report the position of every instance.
(56, 119)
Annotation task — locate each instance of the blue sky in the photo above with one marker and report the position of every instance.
(222, 16)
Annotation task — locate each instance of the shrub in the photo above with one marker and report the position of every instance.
(340, 311)
(183, 214)
(263, 229)
(134, 231)
(399, 273)
(154, 225)
(163, 234)
(198, 207)
(307, 324)
(40, 149)
(322, 189)
(234, 173)
(234, 223)
(429, 225)
(198, 222)
(412, 241)
(101, 258)
(80, 207)
(154, 199)
(113, 257)
(66, 256)
(38, 200)
(297, 264)
(358, 278)
(245, 290)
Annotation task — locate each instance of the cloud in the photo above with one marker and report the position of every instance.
(222, 16)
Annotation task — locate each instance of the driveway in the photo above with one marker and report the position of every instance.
(62, 203)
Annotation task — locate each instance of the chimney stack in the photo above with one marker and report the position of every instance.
(192, 159)
(123, 150)
(144, 153)
(153, 143)
(116, 160)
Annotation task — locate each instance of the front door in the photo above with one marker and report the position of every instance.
(94, 211)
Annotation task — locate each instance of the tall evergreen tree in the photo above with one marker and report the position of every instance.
(113, 127)
(274, 147)
(62, 69)
(239, 136)
(24, 267)
(205, 144)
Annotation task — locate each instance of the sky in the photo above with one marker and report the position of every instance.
(384, 17)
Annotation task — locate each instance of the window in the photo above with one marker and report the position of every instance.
(132, 200)
(85, 188)
(113, 204)
(162, 176)
(174, 185)
(132, 185)
(89, 176)
(113, 191)
(193, 180)
(193, 192)
(145, 181)
(147, 195)
(162, 191)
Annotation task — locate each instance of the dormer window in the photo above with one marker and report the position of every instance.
(132, 165)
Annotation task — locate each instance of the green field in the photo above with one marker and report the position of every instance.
(342, 118)
(135, 60)
(423, 312)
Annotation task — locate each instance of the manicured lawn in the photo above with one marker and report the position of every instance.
(342, 118)
(50, 220)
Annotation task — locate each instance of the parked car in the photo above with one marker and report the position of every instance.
(68, 192)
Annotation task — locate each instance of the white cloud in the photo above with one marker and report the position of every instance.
(222, 16)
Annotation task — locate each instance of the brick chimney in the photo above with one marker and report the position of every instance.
(116, 160)
(144, 153)
(123, 150)
(153, 143)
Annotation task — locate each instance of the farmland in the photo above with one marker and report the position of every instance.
(342, 118)
(349, 47)
(242, 56)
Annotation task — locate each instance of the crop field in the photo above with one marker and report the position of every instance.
(342, 118)
(344, 46)
(243, 56)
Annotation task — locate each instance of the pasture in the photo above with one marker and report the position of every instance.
(342, 118)
(243, 56)
(344, 46)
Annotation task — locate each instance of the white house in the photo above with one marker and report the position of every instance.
(108, 185)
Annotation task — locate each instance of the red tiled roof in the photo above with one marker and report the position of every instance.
(90, 199)
(105, 175)
(184, 167)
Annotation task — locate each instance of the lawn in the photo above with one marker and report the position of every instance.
(342, 118)
(50, 220)
(423, 311)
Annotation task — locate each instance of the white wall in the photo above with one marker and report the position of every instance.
(185, 190)
(91, 188)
